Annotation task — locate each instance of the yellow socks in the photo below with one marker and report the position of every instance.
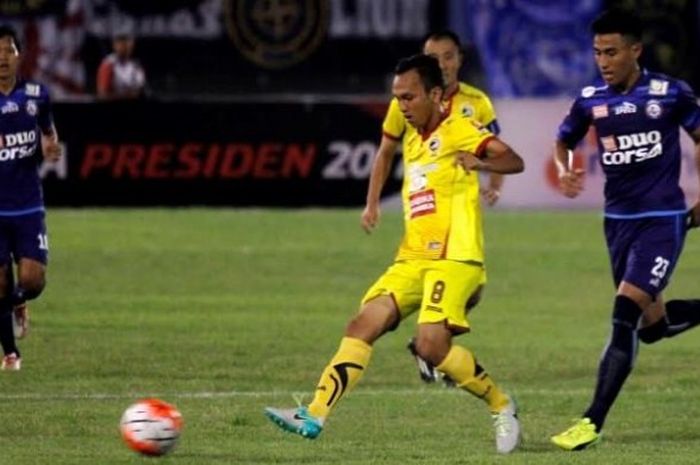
(460, 365)
(341, 375)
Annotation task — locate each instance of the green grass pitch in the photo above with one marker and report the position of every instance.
(223, 312)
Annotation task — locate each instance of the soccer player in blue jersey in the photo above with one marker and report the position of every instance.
(637, 115)
(25, 121)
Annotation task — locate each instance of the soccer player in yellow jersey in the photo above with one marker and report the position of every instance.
(459, 99)
(440, 260)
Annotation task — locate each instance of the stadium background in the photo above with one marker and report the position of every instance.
(255, 103)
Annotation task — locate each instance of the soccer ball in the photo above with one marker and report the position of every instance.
(151, 427)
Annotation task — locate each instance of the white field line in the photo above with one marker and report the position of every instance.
(68, 396)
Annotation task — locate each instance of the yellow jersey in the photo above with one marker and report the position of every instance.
(467, 101)
(442, 213)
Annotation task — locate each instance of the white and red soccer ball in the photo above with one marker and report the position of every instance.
(151, 427)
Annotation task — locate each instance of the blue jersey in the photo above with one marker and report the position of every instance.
(638, 142)
(24, 114)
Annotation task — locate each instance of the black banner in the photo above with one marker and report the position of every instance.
(251, 154)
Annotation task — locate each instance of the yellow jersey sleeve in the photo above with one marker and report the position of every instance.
(485, 113)
(472, 136)
(471, 102)
(394, 122)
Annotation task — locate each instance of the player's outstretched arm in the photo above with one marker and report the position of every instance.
(570, 178)
(380, 172)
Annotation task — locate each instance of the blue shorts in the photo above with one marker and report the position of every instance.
(23, 236)
(644, 251)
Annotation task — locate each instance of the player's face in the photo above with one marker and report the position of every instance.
(415, 103)
(123, 46)
(9, 58)
(616, 57)
(449, 56)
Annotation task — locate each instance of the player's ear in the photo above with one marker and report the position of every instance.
(435, 94)
(637, 49)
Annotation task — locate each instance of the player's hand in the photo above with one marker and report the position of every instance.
(51, 149)
(468, 161)
(571, 182)
(490, 195)
(370, 218)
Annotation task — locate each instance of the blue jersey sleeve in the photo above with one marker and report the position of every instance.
(688, 110)
(575, 125)
(45, 116)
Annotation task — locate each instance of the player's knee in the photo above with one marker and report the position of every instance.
(367, 327)
(654, 332)
(626, 313)
(32, 285)
(432, 349)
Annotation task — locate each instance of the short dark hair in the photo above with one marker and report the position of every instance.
(427, 67)
(445, 34)
(618, 21)
(8, 31)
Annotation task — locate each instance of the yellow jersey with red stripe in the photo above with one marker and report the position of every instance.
(467, 101)
(442, 214)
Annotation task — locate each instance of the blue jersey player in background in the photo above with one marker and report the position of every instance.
(637, 115)
(25, 122)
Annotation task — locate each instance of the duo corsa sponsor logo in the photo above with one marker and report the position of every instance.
(278, 34)
(17, 145)
(631, 148)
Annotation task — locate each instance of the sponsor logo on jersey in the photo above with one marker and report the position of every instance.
(654, 109)
(588, 91)
(422, 203)
(9, 107)
(631, 148)
(658, 87)
(32, 108)
(625, 108)
(600, 111)
(467, 110)
(434, 145)
(17, 145)
(32, 90)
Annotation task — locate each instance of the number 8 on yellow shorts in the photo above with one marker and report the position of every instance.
(438, 289)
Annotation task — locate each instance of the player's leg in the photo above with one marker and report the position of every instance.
(447, 287)
(643, 255)
(618, 357)
(426, 370)
(31, 282)
(11, 354)
(379, 313)
(31, 253)
(614, 368)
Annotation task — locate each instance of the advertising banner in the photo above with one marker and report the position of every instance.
(246, 154)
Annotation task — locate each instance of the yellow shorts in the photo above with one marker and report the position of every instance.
(439, 289)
